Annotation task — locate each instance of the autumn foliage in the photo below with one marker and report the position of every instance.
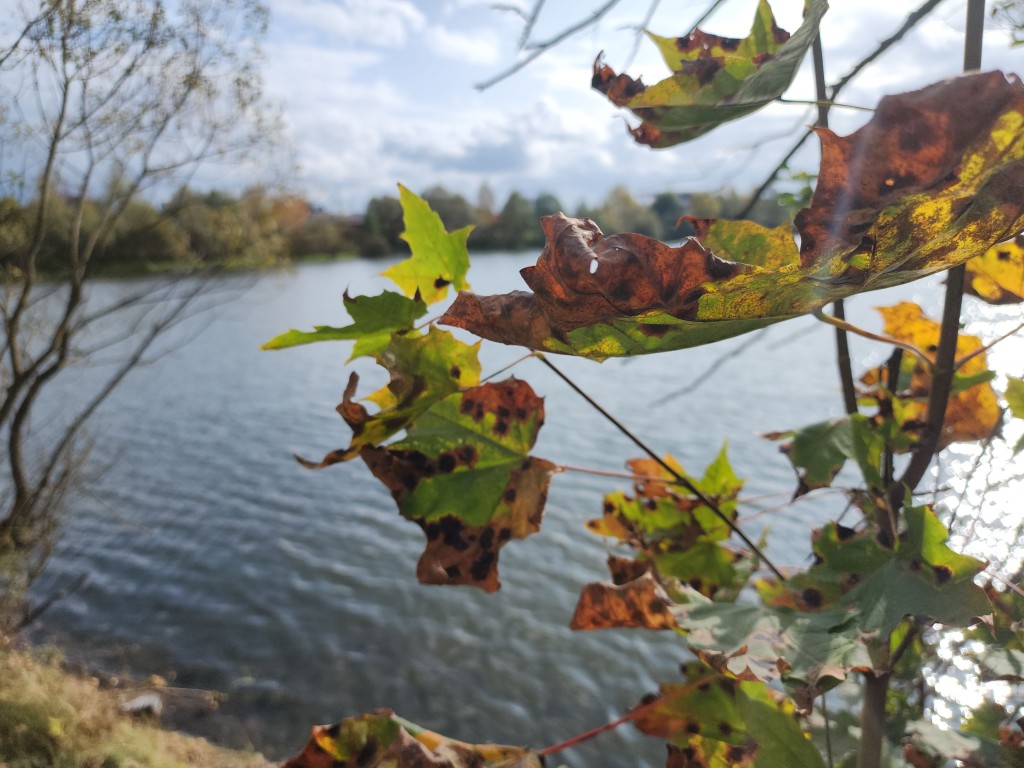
(933, 180)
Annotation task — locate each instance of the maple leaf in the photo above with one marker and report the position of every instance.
(438, 259)
(715, 79)
(973, 411)
(375, 319)
(383, 740)
(935, 178)
(635, 598)
(918, 574)
(997, 276)
(714, 720)
(424, 369)
(463, 473)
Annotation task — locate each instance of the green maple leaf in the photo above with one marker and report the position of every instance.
(424, 369)
(464, 474)
(375, 319)
(438, 259)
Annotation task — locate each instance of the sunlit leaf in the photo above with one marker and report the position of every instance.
(1002, 663)
(935, 178)
(438, 259)
(997, 276)
(375, 319)
(973, 412)
(715, 79)
(383, 740)
(463, 473)
(943, 744)
(1015, 401)
(716, 721)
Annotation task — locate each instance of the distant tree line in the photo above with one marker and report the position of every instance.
(259, 229)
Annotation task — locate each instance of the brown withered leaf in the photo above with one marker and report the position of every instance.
(463, 473)
(935, 178)
(634, 599)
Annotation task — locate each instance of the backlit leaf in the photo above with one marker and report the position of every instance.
(463, 473)
(934, 179)
(424, 369)
(997, 276)
(438, 259)
(383, 740)
(715, 79)
(374, 320)
(972, 413)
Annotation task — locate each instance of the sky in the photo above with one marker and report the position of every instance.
(379, 92)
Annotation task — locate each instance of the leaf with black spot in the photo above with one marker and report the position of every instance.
(997, 276)
(424, 369)
(715, 79)
(438, 259)
(463, 473)
(935, 178)
(718, 721)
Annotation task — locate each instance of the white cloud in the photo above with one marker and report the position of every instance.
(477, 46)
(386, 23)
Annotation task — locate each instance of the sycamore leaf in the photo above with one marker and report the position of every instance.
(811, 653)
(424, 369)
(934, 179)
(973, 412)
(819, 451)
(715, 79)
(463, 473)
(997, 276)
(438, 259)
(921, 577)
(716, 721)
(936, 745)
(383, 740)
(1002, 663)
(375, 319)
(634, 599)
(675, 531)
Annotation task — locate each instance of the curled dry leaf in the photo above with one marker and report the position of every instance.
(935, 178)
(383, 740)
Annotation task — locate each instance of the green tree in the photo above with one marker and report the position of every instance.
(620, 212)
(382, 226)
(669, 207)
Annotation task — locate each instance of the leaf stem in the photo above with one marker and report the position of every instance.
(679, 479)
(840, 323)
(824, 103)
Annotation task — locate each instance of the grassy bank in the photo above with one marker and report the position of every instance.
(52, 719)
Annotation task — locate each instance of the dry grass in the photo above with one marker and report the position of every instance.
(51, 719)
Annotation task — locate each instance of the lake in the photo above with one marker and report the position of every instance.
(218, 562)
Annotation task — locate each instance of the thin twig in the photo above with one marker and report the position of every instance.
(679, 479)
(539, 48)
(909, 23)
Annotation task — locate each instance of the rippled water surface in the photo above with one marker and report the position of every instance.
(213, 557)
